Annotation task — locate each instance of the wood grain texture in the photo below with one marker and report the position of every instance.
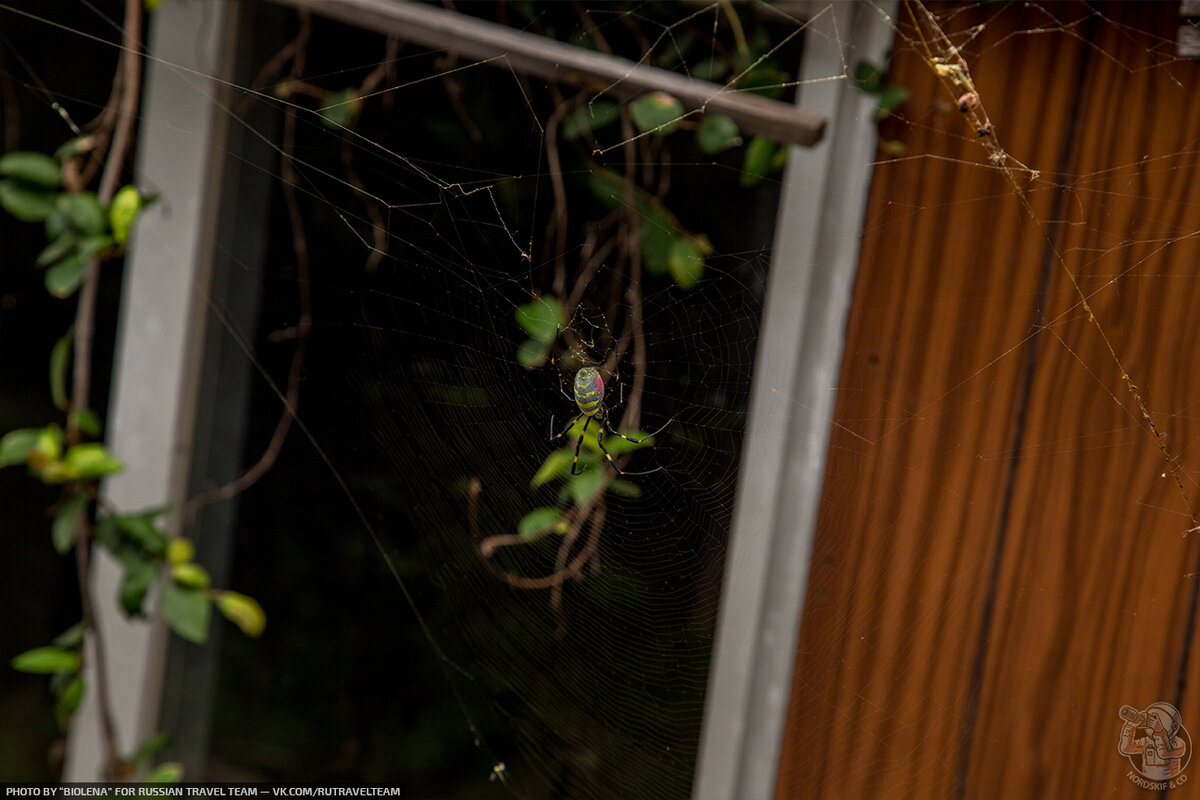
(1000, 564)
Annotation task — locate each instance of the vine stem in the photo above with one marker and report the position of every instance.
(126, 94)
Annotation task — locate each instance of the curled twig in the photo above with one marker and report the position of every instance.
(564, 569)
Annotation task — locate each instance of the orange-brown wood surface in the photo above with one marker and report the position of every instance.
(1000, 563)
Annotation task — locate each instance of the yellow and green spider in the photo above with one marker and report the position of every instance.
(589, 398)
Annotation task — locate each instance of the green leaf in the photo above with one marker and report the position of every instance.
(60, 355)
(71, 697)
(542, 319)
(140, 530)
(538, 523)
(532, 353)
(64, 278)
(107, 535)
(557, 464)
(47, 660)
(710, 69)
(168, 771)
(26, 203)
(84, 212)
(716, 134)
(658, 112)
(71, 638)
(187, 611)
(85, 420)
(35, 168)
(340, 108)
(57, 249)
(180, 550)
(868, 77)
(779, 159)
(891, 97)
(65, 527)
(243, 611)
(92, 460)
(149, 747)
(582, 487)
(135, 585)
(591, 116)
(685, 263)
(191, 574)
(765, 79)
(758, 161)
(625, 488)
(657, 234)
(16, 445)
(124, 212)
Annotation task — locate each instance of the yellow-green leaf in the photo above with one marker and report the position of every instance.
(538, 523)
(124, 212)
(92, 460)
(180, 550)
(190, 574)
(243, 611)
(47, 660)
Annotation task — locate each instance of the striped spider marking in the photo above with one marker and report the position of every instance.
(589, 399)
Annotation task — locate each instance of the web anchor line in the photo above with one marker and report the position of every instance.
(951, 69)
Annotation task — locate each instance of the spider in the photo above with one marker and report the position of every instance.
(589, 397)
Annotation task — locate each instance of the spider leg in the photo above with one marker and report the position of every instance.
(570, 425)
(600, 441)
(616, 432)
(579, 444)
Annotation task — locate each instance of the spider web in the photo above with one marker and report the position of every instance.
(412, 639)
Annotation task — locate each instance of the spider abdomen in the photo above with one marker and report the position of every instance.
(589, 390)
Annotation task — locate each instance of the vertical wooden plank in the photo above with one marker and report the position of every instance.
(1093, 601)
(998, 564)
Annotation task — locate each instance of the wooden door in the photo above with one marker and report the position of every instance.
(1002, 560)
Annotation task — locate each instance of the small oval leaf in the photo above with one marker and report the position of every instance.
(64, 278)
(36, 168)
(85, 213)
(191, 574)
(124, 212)
(47, 661)
(656, 112)
(16, 446)
(591, 116)
(24, 202)
(542, 319)
(65, 527)
(532, 353)
(537, 523)
(187, 611)
(716, 134)
(92, 460)
(243, 611)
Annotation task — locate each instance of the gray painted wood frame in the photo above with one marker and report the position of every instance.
(813, 265)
